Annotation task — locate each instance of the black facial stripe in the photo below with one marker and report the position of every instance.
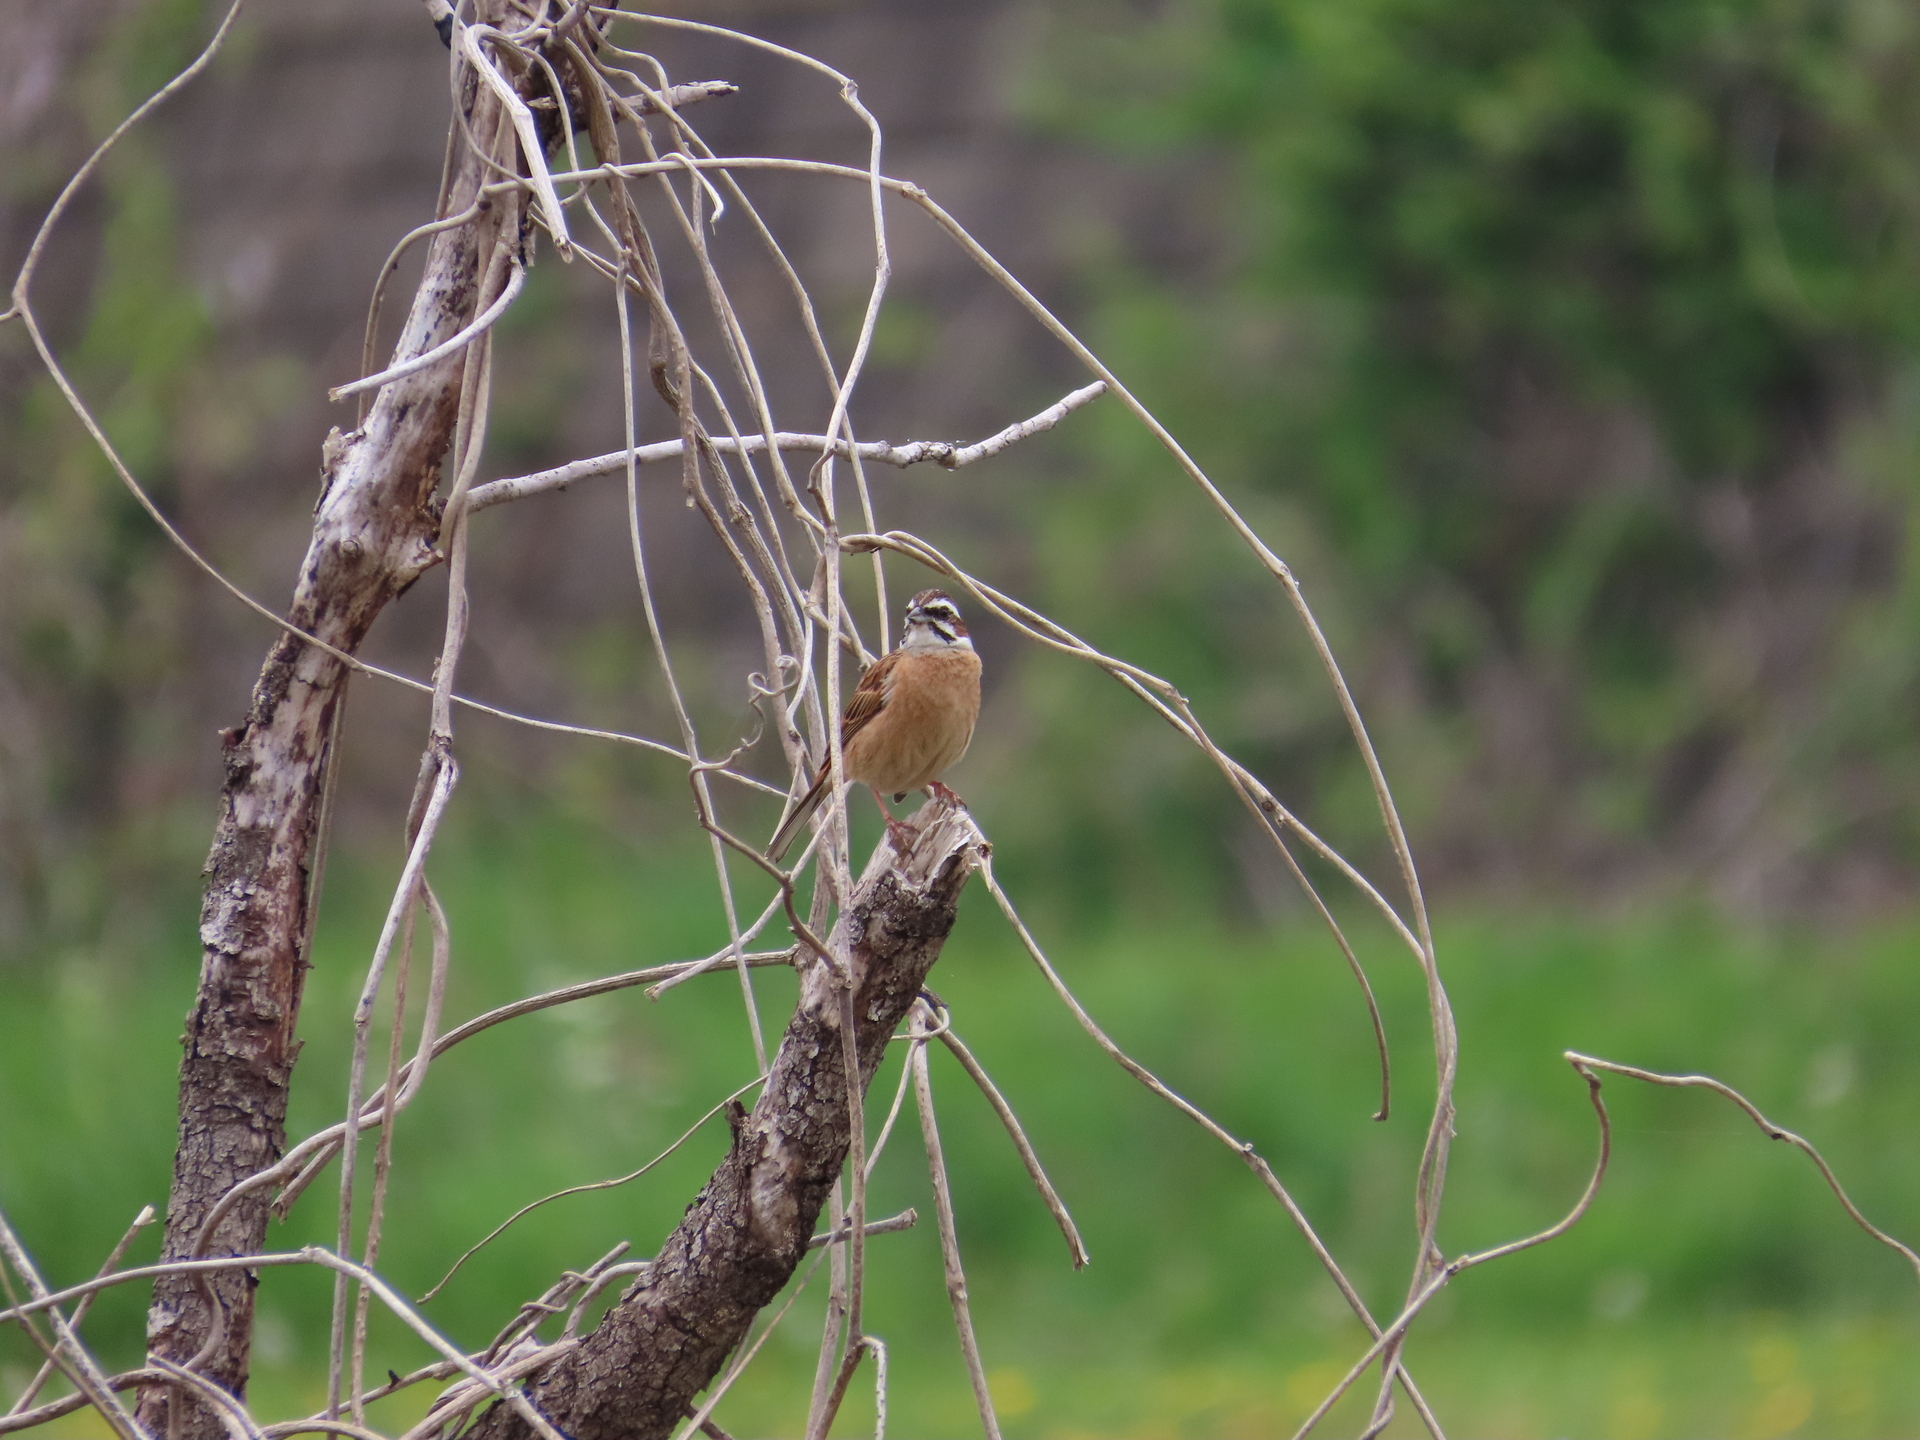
(937, 613)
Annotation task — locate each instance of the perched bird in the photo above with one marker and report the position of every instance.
(911, 716)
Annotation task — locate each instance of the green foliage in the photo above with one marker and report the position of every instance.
(1528, 308)
(1705, 207)
(1696, 203)
(1715, 1271)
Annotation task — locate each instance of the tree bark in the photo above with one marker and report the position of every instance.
(373, 535)
(635, 1376)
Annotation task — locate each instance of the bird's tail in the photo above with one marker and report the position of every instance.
(790, 827)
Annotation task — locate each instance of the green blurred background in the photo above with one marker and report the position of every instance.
(1568, 352)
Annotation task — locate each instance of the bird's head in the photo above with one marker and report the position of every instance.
(933, 619)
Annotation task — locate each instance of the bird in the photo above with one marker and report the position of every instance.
(909, 719)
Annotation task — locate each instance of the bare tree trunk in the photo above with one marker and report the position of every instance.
(373, 535)
(635, 1376)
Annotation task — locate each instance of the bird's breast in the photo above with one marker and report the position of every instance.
(932, 702)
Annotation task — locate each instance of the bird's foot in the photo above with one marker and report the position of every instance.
(941, 792)
(901, 835)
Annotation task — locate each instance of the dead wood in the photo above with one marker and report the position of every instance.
(374, 532)
(636, 1375)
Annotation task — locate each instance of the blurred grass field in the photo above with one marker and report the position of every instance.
(1715, 1287)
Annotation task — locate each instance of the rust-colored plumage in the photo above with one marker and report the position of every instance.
(910, 717)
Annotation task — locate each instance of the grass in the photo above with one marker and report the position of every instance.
(1715, 1287)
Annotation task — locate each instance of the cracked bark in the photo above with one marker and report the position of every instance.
(373, 535)
(635, 1376)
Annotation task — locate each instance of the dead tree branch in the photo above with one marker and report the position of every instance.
(374, 533)
(740, 1241)
(945, 453)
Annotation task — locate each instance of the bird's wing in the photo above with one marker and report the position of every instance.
(869, 697)
(868, 700)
